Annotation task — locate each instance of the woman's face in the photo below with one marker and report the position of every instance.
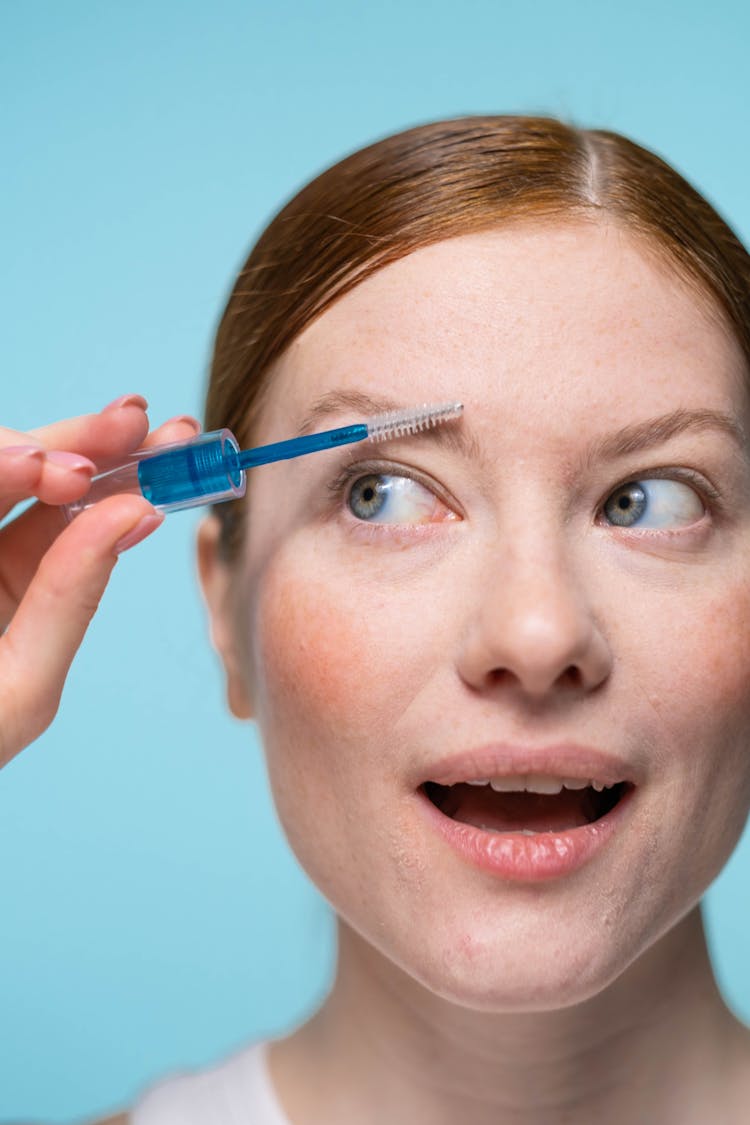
(503, 601)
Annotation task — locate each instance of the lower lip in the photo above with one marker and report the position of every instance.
(529, 859)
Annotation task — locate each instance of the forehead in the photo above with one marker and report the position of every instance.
(526, 318)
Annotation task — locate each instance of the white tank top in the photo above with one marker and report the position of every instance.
(238, 1091)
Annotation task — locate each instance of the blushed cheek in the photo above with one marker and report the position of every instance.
(312, 656)
(334, 659)
(323, 696)
(342, 654)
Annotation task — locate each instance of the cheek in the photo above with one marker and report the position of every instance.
(700, 690)
(343, 656)
(333, 666)
(709, 649)
(312, 656)
(727, 647)
(689, 649)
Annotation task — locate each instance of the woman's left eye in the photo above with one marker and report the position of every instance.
(656, 503)
(390, 498)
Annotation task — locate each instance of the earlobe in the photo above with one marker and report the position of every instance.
(215, 580)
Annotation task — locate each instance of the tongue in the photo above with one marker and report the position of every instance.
(482, 807)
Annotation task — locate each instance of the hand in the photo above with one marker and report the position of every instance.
(52, 576)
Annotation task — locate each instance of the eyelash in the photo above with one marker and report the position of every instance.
(708, 494)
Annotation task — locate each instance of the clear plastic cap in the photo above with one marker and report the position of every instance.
(184, 474)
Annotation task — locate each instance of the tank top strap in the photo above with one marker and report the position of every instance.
(237, 1091)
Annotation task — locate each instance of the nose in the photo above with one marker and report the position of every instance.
(532, 626)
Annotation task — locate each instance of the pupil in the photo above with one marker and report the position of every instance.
(626, 506)
(368, 493)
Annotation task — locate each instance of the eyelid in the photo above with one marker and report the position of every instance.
(352, 471)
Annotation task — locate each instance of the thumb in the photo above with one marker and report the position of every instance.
(50, 622)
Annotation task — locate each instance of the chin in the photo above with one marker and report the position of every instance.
(529, 990)
(509, 976)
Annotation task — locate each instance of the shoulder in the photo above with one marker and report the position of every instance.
(117, 1119)
(739, 1081)
(192, 1096)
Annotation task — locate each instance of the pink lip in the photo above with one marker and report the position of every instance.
(530, 859)
(546, 855)
(505, 760)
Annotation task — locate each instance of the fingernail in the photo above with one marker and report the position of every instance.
(22, 452)
(73, 461)
(126, 400)
(185, 420)
(140, 531)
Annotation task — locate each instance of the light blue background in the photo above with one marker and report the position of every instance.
(151, 915)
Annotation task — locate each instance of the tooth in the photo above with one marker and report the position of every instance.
(575, 782)
(509, 784)
(544, 785)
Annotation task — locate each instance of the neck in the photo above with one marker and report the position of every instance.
(656, 1045)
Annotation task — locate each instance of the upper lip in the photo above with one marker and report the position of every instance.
(506, 760)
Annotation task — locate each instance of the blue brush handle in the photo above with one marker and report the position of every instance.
(207, 469)
(296, 447)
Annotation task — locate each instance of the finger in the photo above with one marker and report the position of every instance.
(66, 476)
(62, 433)
(51, 621)
(21, 468)
(108, 437)
(24, 541)
(56, 477)
(121, 427)
(181, 428)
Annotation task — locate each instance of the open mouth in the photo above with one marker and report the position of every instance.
(526, 805)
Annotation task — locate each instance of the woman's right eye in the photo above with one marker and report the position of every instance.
(396, 499)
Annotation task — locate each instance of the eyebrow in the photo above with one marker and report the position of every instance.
(455, 435)
(451, 435)
(657, 431)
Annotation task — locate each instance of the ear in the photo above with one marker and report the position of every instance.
(215, 580)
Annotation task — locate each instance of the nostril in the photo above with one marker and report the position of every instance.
(574, 676)
(537, 682)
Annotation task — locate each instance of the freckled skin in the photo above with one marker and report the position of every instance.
(366, 658)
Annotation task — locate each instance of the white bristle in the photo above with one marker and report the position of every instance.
(400, 423)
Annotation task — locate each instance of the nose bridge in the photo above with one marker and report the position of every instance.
(533, 615)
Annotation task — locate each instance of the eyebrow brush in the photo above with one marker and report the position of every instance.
(210, 468)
